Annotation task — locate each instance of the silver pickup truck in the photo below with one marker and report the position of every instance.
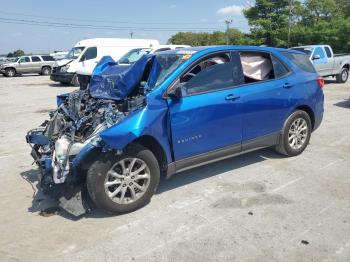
(326, 62)
(41, 64)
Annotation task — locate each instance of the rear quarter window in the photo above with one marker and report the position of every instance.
(47, 58)
(301, 60)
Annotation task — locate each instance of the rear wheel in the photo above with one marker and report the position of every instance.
(343, 76)
(10, 72)
(75, 80)
(296, 134)
(124, 183)
(46, 71)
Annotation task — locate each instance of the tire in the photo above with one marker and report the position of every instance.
(99, 174)
(45, 71)
(285, 146)
(10, 72)
(75, 80)
(343, 76)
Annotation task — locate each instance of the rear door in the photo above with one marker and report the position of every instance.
(36, 64)
(208, 116)
(266, 98)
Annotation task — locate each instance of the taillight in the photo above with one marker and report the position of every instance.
(320, 82)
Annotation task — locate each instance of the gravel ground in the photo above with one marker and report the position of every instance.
(255, 207)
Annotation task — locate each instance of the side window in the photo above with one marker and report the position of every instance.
(319, 51)
(279, 68)
(47, 58)
(257, 66)
(90, 53)
(36, 59)
(211, 73)
(302, 61)
(328, 51)
(24, 59)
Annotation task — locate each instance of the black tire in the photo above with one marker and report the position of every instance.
(75, 80)
(284, 147)
(97, 174)
(10, 72)
(46, 70)
(343, 76)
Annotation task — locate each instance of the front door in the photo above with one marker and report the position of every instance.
(208, 116)
(24, 65)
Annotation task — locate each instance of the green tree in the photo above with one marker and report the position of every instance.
(18, 52)
(268, 22)
(10, 55)
(215, 38)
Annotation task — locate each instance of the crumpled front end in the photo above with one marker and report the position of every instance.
(62, 146)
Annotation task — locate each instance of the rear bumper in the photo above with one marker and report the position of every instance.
(62, 77)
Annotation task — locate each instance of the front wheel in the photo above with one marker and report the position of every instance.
(124, 183)
(75, 80)
(296, 134)
(343, 76)
(10, 72)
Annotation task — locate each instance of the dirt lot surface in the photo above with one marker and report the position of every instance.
(255, 207)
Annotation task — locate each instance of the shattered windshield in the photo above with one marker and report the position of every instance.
(163, 66)
(133, 55)
(75, 52)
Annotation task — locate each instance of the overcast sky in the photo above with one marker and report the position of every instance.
(59, 23)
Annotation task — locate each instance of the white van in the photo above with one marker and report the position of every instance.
(86, 54)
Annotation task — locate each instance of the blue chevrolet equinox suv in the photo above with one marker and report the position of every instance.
(170, 112)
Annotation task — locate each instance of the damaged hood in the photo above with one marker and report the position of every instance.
(112, 81)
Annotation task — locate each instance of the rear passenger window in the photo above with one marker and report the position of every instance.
(279, 68)
(90, 53)
(257, 66)
(301, 60)
(328, 51)
(47, 58)
(212, 73)
(35, 59)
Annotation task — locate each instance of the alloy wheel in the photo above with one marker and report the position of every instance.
(297, 133)
(127, 180)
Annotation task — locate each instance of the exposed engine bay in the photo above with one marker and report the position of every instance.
(75, 124)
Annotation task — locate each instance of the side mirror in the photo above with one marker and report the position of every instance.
(315, 57)
(19, 61)
(176, 92)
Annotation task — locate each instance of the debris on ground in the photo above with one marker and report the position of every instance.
(305, 242)
(50, 211)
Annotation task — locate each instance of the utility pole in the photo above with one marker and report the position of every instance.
(228, 22)
(290, 20)
(131, 34)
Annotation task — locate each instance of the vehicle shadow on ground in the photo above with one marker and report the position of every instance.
(42, 202)
(344, 104)
(214, 169)
(59, 85)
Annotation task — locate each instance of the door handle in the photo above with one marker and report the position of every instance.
(287, 85)
(231, 97)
